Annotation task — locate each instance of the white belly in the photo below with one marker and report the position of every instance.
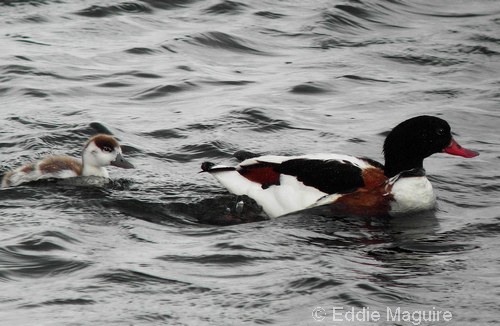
(291, 195)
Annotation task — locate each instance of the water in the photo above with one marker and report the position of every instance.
(181, 82)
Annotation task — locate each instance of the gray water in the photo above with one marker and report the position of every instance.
(182, 82)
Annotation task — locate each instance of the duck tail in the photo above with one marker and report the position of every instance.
(212, 168)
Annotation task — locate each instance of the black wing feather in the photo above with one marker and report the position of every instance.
(328, 176)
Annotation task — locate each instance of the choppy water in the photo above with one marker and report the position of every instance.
(180, 82)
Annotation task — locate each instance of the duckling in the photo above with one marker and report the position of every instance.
(99, 152)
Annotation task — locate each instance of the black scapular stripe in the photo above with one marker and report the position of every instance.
(328, 176)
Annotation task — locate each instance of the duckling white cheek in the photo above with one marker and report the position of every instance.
(104, 158)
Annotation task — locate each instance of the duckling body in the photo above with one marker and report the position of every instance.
(99, 152)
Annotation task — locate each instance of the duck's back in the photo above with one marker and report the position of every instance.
(50, 167)
(285, 184)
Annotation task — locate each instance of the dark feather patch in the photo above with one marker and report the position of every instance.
(328, 176)
(104, 142)
(264, 173)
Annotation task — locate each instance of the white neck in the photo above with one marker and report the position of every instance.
(90, 170)
(411, 195)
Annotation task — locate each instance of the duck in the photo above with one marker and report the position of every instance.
(98, 152)
(350, 185)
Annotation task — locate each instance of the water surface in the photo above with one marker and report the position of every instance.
(182, 82)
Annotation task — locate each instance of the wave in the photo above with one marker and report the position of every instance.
(226, 7)
(162, 90)
(97, 11)
(224, 41)
(28, 257)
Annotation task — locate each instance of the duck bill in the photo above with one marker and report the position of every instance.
(455, 149)
(121, 162)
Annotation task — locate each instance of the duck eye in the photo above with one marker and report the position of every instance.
(107, 149)
(440, 131)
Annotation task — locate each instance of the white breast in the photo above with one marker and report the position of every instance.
(412, 194)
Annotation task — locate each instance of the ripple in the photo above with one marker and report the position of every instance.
(97, 11)
(215, 259)
(153, 212)
(31, 121)
(486, 38)
(137, 279)
(224, 41)
(341, 42)
(34, 92)
(15, 264)
(26, 39)
(367, 79)
(37, 245)
(338, 22)
(383, 294)
(114, 85)
(162, 90)
(453, 14)
(433, 247)
(22, 70)
(60, 302)
(230, 82)
(226, 7)
(185, 68)
(373, 13)
(306, 284)
(424, 60)
(269, 14)
(310, 88)
(257, 120)
(165, 134)
(486, 230)
(133, 278)
(37, 19)
(142, 51)
(473, 49)
(34, 3)
(222, 259)
(446, 92)
(355, 11)
(142, 74)
(168, 4)
(190, 152)
(350, 300)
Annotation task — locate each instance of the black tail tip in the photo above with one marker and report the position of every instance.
(206, 166)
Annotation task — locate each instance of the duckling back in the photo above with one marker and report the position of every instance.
(50, 167)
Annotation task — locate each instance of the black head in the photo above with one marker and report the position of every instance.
(410, 142)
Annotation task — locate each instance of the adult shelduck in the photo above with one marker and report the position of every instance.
(351, 185)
